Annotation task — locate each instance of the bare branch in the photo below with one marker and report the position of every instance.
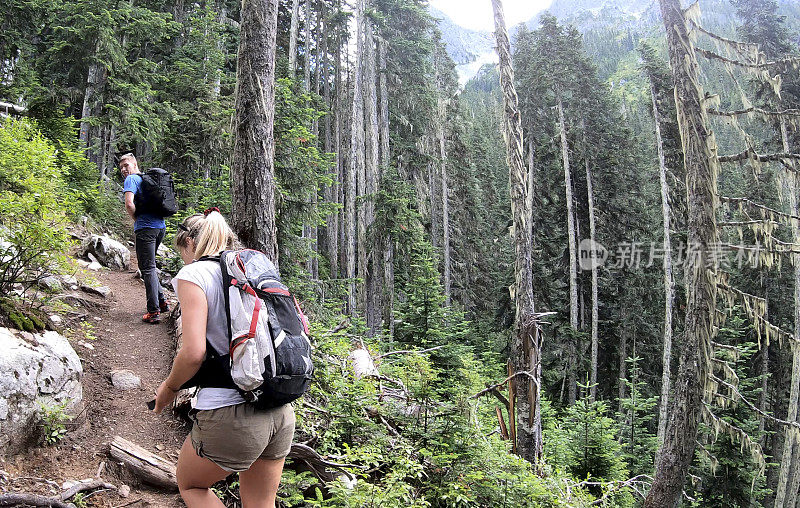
(753, 406)
(506, 380)
(406, 351)
(752, 109)
(714, 56)
(747, 201)
(751, 154)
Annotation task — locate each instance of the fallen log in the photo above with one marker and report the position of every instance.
(148, 467)
(59, 501)
(20, 498)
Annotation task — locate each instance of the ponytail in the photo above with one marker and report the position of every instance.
(210, 232)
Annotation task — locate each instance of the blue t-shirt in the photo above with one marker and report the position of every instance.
(143, 220)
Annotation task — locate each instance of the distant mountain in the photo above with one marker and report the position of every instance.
(612, 28)
(469, 49)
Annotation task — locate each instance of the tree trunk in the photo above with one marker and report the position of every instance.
(373, 271)
(445, 217)
(669, 280)
(788, 477)
(327, 142)
(91, 107)
(387, 297)
(441, 120)
(702, 168)
(384, 103)
(623, 370)
(531, 188)
(307, 49)
(253, 173)
(356, 166)
(573, 256)
(595, 310)
(293, 29)
(336, 189)
(526, 346)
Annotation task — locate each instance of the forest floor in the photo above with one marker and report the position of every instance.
(122, 341)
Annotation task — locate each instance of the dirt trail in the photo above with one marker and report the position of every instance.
(122, 341)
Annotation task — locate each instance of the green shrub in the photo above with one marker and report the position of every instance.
(33, 236)
(54, 418)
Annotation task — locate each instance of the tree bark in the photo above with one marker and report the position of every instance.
(441, 121)
(700, 274)
(253, 172)
(526, 346)
(91, 107)
(307, 49)
(669, 280)
(293, 30)
(336, 189)
(445, 216)
(573, 255)
(356, 164)
(623, 366)
(595, 310)
(387, 297)
(373, 258)
(788, 477)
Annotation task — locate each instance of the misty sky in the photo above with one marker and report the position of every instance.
(477, 14)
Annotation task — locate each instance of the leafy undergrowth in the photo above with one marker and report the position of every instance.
(414, 436)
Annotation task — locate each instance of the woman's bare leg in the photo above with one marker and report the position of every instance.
(258, 486)
(195, 477)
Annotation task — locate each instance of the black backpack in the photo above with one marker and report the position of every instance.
(269, 356)
(156, 195)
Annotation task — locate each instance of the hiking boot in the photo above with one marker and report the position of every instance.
(152, 317)
(163, 306)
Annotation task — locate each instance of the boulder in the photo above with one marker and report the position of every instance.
(165, 257)
(107, 251)
(35, 369)
(101, 291)
(51, 284)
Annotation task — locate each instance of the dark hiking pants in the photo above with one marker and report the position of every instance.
(147, 242)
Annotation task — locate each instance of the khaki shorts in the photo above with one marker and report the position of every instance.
(234, 437)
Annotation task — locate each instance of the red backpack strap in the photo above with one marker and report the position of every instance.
(303, 318)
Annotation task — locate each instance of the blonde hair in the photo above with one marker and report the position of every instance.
(128, 156)
(211, 234)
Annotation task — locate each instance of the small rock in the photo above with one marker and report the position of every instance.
(82, 263)
(50, 283)
(125, 380)
(94, 266)
(86, 345)
(56, 320)
(160, 447)
(69, 280)
(97, 318)
(103, 291)
(124, 491)
(92, 257)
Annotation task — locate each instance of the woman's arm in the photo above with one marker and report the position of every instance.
(194, 313)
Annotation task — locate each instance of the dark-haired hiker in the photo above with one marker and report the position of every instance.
(228, 434)
(149, 231)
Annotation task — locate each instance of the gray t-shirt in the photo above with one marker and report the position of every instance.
(208, 275)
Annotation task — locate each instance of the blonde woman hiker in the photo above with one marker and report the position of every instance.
(228, 434)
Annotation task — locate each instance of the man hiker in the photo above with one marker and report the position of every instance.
(149, 230)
